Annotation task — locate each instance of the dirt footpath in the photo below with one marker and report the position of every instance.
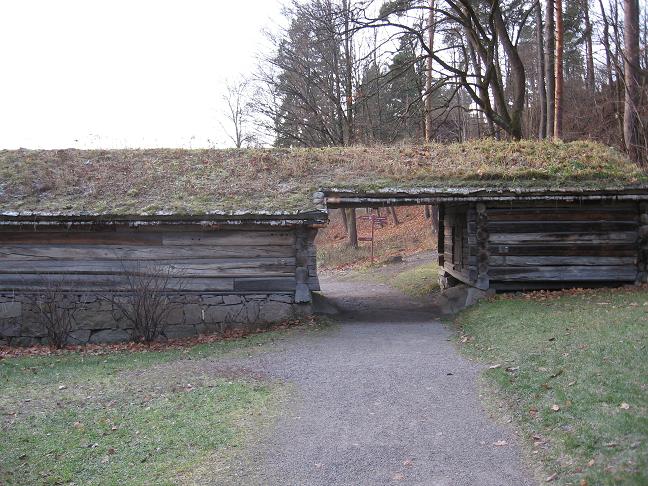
(383, 397)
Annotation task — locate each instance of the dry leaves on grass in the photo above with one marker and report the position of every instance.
(180, 343)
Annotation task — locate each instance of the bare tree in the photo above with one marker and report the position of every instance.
(550, 64)
(542, 88)
(431, 24)
(560, 48)
(238, 112)
(632, 90)
(146, 302)
(54, 313)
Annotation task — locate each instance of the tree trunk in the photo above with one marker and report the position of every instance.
(542, 88)
(589, 55)
(558, 113)
(345, 221)
(606, 44)
(353, 230)
(394, 216)
(348, 84)
(550, 65)
(428, 75)
(631, 69)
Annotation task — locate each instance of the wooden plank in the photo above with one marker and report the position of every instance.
(276, 284)
(121, 252)
(230, 238)
(98, 283)
(79, 238)
(559, 227)
(522, 238)
(561, 214)
(585, 204)
(186, 268)
(523, 261)
(569, 249)
(572, 273)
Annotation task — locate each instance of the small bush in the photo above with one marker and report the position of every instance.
(54, 314)
(146, 304)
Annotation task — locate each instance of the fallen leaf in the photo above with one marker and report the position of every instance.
(511, 369)
(408, 462)
(62, 387)
(555, 407)
(624, 406)
(495, 366)
(591, 463)
(583, 482)
(500, 443)
(558, 373)
(78, 425)
(398, 477)
(111, 451)
(552, 477)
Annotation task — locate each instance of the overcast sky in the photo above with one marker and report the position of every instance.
(123, 73)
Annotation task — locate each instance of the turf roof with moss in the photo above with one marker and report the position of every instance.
(283, 181)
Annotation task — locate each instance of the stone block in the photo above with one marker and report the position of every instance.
(109, 336)
(302, 294)
(9, 327)
(10, 310)
(212, 299)
(80, 336)
(32, 328)
(222, 313)
(92, 318)
(288, 299)
(175, 315)
(252, 312)
(209, 328)
(232, 299)
(193, 314)
(179, 331)
(457, 298)
(275, 311)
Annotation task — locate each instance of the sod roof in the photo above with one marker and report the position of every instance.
(283, 181)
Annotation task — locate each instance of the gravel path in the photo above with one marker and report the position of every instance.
(383, 398)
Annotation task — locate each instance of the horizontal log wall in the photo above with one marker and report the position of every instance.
(246, 260)
(546, 242)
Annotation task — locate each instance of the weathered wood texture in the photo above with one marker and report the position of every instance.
(543, 242)
(96, 258)
(460, 242)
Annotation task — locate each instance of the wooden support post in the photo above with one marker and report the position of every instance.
(483, 281)
(302, 291)
(642, 263)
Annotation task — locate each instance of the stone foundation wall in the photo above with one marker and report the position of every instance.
(97, 320)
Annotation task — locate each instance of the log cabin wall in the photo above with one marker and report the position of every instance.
(222, 277)
(542, 245)
(517, 245)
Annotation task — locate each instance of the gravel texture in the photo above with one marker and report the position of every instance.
(381, 398)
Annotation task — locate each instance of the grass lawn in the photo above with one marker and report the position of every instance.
(127, 417)
(419, 281)
(573, 369)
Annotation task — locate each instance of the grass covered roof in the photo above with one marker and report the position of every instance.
(282, 181)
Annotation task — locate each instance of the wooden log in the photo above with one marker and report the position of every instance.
(560, 227)
(561, 214)
(79, 238)
(230, 238)
(533, 261)
(600, 238)
(571, 273)
(565, 249)
(98, 283)
(269, 285)
(125, 252)
(188, 268)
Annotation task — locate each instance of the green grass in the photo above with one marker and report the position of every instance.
(586, 353)
(163, 181)
(126, 418)
(419, 281)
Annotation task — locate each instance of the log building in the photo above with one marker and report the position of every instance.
(238, 227)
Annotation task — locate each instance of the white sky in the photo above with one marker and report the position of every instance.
(123, 73)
